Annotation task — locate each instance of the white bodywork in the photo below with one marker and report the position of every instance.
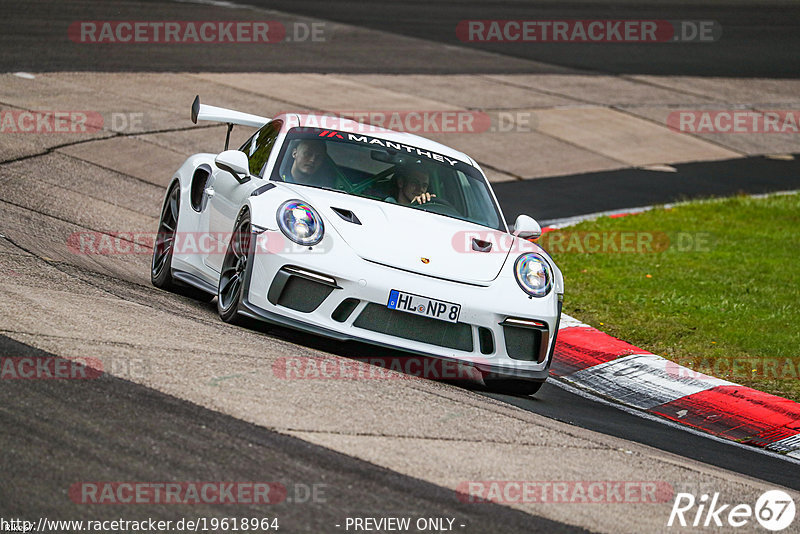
(366, 261)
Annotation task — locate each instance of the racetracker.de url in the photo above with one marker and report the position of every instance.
(196, 524)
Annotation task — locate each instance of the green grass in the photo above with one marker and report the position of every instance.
(728, 306)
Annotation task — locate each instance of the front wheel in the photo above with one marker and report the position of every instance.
(230, 291)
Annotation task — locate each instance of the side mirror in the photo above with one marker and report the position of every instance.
(527, 227)
(234, 162)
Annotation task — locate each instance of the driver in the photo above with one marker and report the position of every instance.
(308, 156)
(412, 186)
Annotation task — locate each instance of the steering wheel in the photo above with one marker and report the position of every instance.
(436, 201)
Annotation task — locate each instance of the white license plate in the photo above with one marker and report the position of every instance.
(418, 305)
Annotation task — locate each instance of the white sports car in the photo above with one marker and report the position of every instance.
(356, 232)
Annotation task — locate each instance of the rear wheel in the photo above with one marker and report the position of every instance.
(512, 386)
(161, 265)
(234, 266)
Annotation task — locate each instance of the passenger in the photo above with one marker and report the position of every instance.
(309, 156)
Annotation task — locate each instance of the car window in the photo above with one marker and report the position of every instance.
(371, 167)
(477, 203)
(259, 146)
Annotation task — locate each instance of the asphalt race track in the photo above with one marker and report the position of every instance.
(186, 397)
(758, 39)
(566, 196)
(52, 436)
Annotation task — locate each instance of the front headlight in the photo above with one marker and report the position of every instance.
(300, 223)
(533, 274)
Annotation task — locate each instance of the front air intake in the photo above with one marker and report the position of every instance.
(526, 339)
(300, 290)
(344, 310)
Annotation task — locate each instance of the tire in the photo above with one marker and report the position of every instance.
(231, 277)
(161, 264)
(512, 386)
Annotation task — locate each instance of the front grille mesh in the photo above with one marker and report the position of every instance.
(381, 319)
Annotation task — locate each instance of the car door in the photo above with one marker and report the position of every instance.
(228, 194)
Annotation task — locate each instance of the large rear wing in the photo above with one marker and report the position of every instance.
(230, 117)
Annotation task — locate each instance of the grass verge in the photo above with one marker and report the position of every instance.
(713, 285)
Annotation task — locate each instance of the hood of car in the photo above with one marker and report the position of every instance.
(411, 239)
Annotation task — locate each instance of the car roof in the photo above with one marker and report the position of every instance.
(341, 124)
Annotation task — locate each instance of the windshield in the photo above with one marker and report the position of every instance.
(386, 171)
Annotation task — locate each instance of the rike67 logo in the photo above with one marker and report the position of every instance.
(774, 510)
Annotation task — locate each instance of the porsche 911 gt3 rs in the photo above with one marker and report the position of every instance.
(356, 232)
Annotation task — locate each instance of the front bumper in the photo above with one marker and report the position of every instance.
(337, 294)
